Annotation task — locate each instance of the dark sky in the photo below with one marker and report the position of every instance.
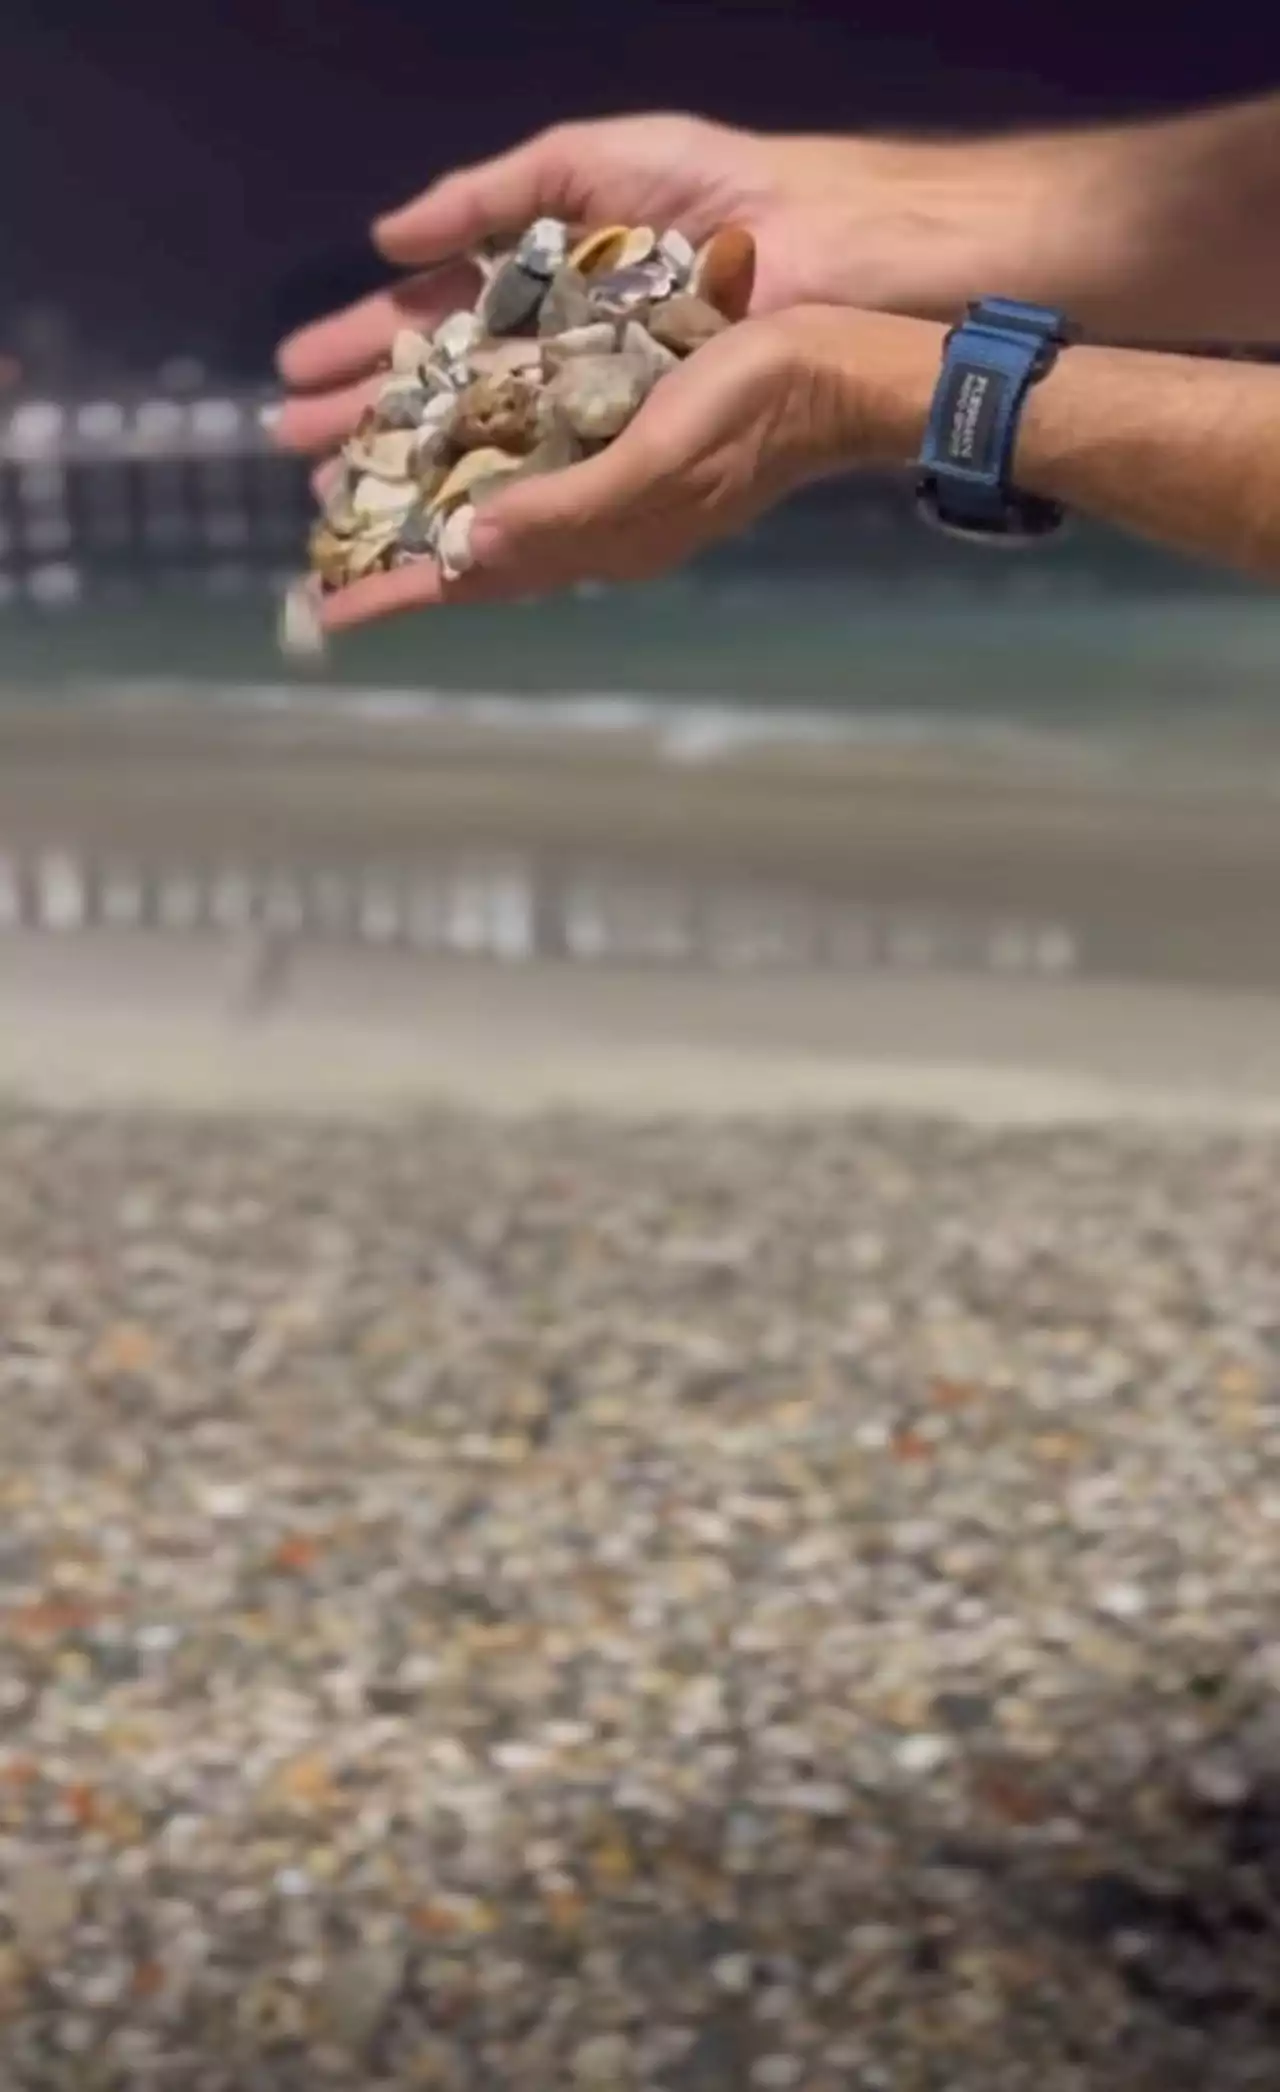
(203, 170)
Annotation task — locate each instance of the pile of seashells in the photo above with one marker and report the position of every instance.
(567, 339)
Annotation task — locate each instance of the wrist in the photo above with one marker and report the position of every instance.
(869, 381)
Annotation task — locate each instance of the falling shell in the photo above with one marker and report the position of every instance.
(302, 635)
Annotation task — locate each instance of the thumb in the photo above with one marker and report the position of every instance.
(561, 525)
(473, 203)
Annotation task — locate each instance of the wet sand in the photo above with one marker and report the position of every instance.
(1159, 876)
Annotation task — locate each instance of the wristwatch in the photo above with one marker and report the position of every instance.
(989, 363)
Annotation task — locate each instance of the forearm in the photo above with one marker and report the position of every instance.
(1158, 232)
(1179, 449)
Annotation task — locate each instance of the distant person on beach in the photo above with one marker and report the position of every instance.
(1157, 234)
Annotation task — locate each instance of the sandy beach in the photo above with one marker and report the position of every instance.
(660, 1525)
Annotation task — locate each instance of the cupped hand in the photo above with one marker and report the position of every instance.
(836, 220)
(752, 416)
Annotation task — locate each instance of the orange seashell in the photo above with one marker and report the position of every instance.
(600, 249)
(725, 272)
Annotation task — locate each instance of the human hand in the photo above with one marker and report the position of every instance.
(913, 228)
(754, 414)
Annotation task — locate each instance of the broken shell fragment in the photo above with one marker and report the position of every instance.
(685, 323)
(384, 454)
(679, 255)
(599, 395)
(375, 499)
(410, 353)
(469, 472)
(497, 412)
(328, 554)
(566, 304)
(401, 405)
(600, 250)
(725, 271)
(301, 630)
(511, 300)
(500, 359)
(544, 248)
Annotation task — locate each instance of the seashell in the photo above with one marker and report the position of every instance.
(498, 359)
(338, 508)
(499, 413)
(600, 249)
(566, 304)
(327, 553)
(598, 395)
(417, 535)
(639, 244)
(599, 339)
(410, 352)
(371, 551)
(457, 335)
(679, 255)
(375, 499)
(453, 544)
(544, 248)
(400, 405)
(511, 300)
(685, 323)
(725, 271)
(467, 474)
(637, 341)
(385, 454)
(301, 632)
(622, 292)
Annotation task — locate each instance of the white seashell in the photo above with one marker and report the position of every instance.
(374, 499)
(301, 633)
(679, 255)
(386, 455)
(544, 247)
(410, 353)
(453, 542)
(637, 247)
(455, 337)
(600, 338)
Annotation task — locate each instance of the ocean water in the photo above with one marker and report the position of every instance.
(1192, 674)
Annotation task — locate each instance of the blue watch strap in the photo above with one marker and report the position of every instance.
(990, 361)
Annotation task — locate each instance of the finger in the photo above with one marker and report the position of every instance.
(566, 524)
(318, 422)
(346, 344)
(494, 196)
(421, 586)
